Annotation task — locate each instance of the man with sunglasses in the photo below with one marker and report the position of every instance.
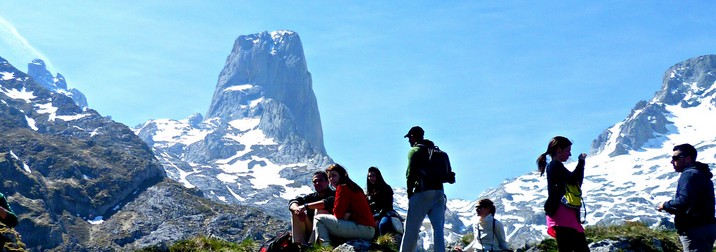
(693, 203)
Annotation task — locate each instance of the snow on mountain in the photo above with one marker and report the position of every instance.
(261, 139)
(38, 71)
(628, 170)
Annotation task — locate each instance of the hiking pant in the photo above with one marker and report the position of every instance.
(569, 239)
(300, 228)
(326, 225)
(699, 238)
(385, 225)
(432, 204)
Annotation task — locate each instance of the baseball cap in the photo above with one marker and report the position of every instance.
(415, 131)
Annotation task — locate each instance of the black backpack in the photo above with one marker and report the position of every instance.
(281, 242)
(439, 170)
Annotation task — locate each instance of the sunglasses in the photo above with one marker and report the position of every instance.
(677, 157)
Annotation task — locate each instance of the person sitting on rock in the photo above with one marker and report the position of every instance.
(351, 218)
(302, 208)
(489, 233)
(380, 199)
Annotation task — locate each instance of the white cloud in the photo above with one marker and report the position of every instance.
(15, 48)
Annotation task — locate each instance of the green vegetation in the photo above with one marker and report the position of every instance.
(320, 248)
(467, 239)
(389, 241)
(635, 236)
(638, 234)
(208, 244)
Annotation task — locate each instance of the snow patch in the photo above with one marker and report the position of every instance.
(256, 102)
(71, 117)
(22, 94)
(238, 88)
(96, 221)
(238, 197)
(47, 108)
(227, 178)
(245, 124)
(173, 131)
(31, 123)
(24, 165)
(7, 75)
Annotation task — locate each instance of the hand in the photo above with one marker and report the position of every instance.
(583, 156)
(297, 210)
(660, 207)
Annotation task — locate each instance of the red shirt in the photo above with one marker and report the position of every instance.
(355, 203)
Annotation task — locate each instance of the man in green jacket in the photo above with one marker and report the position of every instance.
(425, 196)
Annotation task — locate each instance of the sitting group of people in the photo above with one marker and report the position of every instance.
(346, 213)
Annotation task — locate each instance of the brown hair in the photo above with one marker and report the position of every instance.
(344, 179)
(487, 203)
(558, 142)
(380, 183)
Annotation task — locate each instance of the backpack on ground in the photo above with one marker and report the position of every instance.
(439, 169)
(279, 243)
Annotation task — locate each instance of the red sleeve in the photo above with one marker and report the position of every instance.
(340, 205)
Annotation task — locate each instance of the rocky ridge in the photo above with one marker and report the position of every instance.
(38, 71)
(262, 135)
(628, 170)
(79, 181)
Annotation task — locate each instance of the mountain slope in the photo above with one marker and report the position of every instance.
(628, 171)
(262, 137)
(79, 181)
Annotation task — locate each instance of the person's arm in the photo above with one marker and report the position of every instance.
(386, 201)
(499, 230)
(577, 176)
(681, 198)
(411, 174)
(329, 203)
(319, 205)
(294, 203)
(340, 206)
(300, 204)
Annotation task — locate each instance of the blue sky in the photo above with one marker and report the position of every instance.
(490, 81)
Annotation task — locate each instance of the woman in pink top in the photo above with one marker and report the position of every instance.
(351, 218)
(562, 222)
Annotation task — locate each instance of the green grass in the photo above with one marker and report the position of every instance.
(639, 236)
(208, 244)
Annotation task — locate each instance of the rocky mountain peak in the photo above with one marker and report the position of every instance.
(38, 71)
(261, 137)
(687, 84)
(79, 181)
(629, 170)
(266, 76)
